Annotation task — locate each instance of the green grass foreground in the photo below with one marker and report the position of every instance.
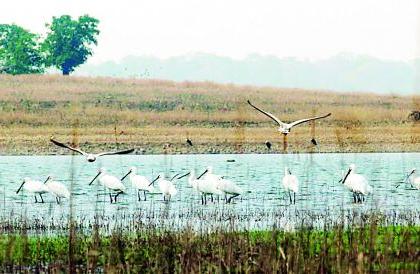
(356, 250)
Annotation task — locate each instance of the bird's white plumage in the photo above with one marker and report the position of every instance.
(290, 182)
(204, 186)
(285, 128)
(229, 187)
(413, 179)
(357, 183)
(57, 189)
(140, 182)
(34, 186)
(166, 187)
(111, 182)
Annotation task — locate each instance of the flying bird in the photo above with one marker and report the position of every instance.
(89, 156)
(285, 128)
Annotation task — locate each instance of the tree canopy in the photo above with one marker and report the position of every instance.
(19, 51)
(68, 42)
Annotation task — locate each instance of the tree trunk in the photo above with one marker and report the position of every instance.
(66, 70)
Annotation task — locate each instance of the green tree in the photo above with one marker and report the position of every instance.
(19, 51)
(68, 42)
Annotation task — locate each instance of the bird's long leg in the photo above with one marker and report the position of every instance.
(144, 191)
(36, 201)
(359, 200)
(285, 142)
(233, 196)
(202, 199)
(164, 197)
(290, 197)
(211, 197)
(116, 195)
(354, 198)
(42, 200)
(294, 197)
(110, 197)
(58, 201)
(138, 195)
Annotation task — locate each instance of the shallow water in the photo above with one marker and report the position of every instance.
(264, 203)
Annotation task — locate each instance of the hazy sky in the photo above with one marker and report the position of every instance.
(318, 29)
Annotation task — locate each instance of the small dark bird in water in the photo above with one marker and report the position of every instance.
(268, 144)
(189, 142)
(314, 142)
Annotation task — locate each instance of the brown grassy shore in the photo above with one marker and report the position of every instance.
(157, 116)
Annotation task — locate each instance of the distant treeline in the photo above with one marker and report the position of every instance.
(343, 72)
(66, 45)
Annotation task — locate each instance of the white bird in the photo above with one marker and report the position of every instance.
(285, 128)
(413, 179)
(203, 186)
(357, 184)
(140, 183)
(35, 187)
(290, 184)
(89, 156)
(228, 187)
(57, 189)
(110, 182)
(166, 187)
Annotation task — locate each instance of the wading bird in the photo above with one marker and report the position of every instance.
(35, 187)
(357, 184)
(285, 128)
(57, 189)
(228, 187)
(90, 157)
(290, 184)
(166, 187)
(140, 183)
(413, 179)
(203, 186)
(110, 182)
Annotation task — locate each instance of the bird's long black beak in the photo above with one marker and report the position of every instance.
(47, 179)
(345, 177)
(405, 180)
(182, 176)
(202, 174)
(125, 175)
(154, 180)
(99, 173)
(17, 192)
(173, 177)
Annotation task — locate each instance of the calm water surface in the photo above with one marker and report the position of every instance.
(264, 203)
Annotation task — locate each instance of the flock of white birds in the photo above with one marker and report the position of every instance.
(207, 184)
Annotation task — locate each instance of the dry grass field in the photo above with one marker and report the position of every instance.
(157, 116)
